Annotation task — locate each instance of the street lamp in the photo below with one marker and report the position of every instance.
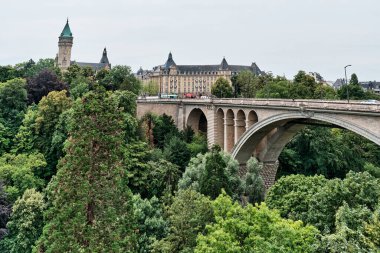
(345, 74)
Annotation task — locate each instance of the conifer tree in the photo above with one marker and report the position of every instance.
(90, 205)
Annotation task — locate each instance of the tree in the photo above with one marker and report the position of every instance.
(349, 235)
(323, 91)
(8, 73)
(291, 195)
(163, 178)
(357, 189)
(212, 172)
(18, 173)
(214, 178)
(222, 88)
(151, 88)
(316, 200)
(43, 83)
(30, 68)
(90, 208)
(254, 229)
(273, 89)
(5, 212)
(187, 216)
(49, 110)
(38, 129)
(254, 183)
(73, 72)
(248, 84)
(127, 100)
(328, 152)
(372, 228)
(177, 152)
(26, 222)
(13, 100)
(164, 126)
(354, 79)
(79, 87)
(137, 155)
(121, 78)
(151, 226)
(198, 144)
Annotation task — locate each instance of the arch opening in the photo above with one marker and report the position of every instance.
(197, 121)
(252, 118)
(229, 137)
(220, 127)
(240, 124)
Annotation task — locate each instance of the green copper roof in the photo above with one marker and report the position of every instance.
(66, 31)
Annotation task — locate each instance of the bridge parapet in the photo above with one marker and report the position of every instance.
(336, 105)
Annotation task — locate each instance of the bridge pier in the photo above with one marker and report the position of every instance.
(269, 173)
(229, 133)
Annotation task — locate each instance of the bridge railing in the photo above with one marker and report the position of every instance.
(354, 105)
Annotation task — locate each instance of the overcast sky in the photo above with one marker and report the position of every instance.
(282, 36)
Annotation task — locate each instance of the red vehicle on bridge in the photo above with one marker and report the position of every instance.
(189, 95)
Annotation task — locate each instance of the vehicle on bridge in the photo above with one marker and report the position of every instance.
(189, 95)
(370, 101)
(165, 95)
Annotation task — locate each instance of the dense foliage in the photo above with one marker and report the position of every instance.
(254, 229)
(222, 88)
(80, 173)
(344, 211)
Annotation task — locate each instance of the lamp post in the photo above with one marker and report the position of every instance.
(345, 74)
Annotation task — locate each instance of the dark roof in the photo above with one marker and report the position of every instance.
(66, 32)
(224, 64)
(104, 58)
(94, 66)
(140, 71)
(169, 62)
(370, 85)
(214, 68)
(209, 68)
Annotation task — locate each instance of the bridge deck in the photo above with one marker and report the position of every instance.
(336, 105)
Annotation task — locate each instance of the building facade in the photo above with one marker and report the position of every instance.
(63, 58)
(196, 79)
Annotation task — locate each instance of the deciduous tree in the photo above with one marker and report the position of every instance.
(222, 88)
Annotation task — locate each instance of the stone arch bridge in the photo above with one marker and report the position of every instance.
(262, 128)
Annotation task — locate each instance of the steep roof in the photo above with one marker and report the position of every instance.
(169, 62)
(66, 32)
(104, 58)
(224, 64)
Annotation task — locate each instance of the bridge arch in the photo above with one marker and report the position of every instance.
(197, 120)
(251, 138)
(267, 138)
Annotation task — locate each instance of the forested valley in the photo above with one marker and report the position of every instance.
(80, 173)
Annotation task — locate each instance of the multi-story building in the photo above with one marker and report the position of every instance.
(195, 79)
(63, 58)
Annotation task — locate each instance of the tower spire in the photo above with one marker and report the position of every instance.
(66, 32)
(104, 58)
